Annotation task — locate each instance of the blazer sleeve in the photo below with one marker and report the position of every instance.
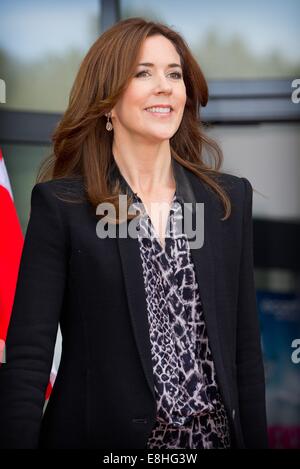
(250, 369)
(34, 322)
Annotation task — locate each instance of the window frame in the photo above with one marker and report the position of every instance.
(237, 101)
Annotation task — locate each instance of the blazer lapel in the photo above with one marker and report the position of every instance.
(205, 274)
(134, 284)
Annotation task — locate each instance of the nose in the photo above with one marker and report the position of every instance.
(163, 85)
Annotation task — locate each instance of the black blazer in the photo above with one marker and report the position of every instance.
(103, 395)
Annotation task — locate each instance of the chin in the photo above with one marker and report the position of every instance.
(159, 136)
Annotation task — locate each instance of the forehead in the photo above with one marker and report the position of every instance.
(158, 49)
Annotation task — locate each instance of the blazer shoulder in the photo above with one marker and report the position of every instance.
(228, 181)
(240, 192)
(62, 190)
(231, 181)
(61, 183)
(238, 188)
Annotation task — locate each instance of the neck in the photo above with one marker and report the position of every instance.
(147, 169)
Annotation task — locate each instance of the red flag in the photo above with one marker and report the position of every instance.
(11, 245)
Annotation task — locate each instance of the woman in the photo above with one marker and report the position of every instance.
(161, 344)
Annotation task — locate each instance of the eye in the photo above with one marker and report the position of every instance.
(140, 73)
(177, 75)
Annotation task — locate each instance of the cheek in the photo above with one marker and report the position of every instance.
(135, 95)
(182, 95)
(128, 111)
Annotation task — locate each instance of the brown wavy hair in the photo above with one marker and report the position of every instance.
(81, 144)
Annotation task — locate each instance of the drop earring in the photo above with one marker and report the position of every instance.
(109, 125)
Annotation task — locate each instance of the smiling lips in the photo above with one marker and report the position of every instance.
(160, 111)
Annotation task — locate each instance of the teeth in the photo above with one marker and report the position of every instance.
(164, 110)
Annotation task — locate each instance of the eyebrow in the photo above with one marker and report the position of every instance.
(149, 64)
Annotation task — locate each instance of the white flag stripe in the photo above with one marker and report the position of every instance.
(4, 180)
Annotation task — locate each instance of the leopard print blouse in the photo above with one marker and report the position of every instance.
(190, 412)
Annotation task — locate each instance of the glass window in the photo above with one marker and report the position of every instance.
(22, 163)
(268, 155)
(232, 39)
(41, 47)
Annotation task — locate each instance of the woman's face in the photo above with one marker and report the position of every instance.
(151, 86)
